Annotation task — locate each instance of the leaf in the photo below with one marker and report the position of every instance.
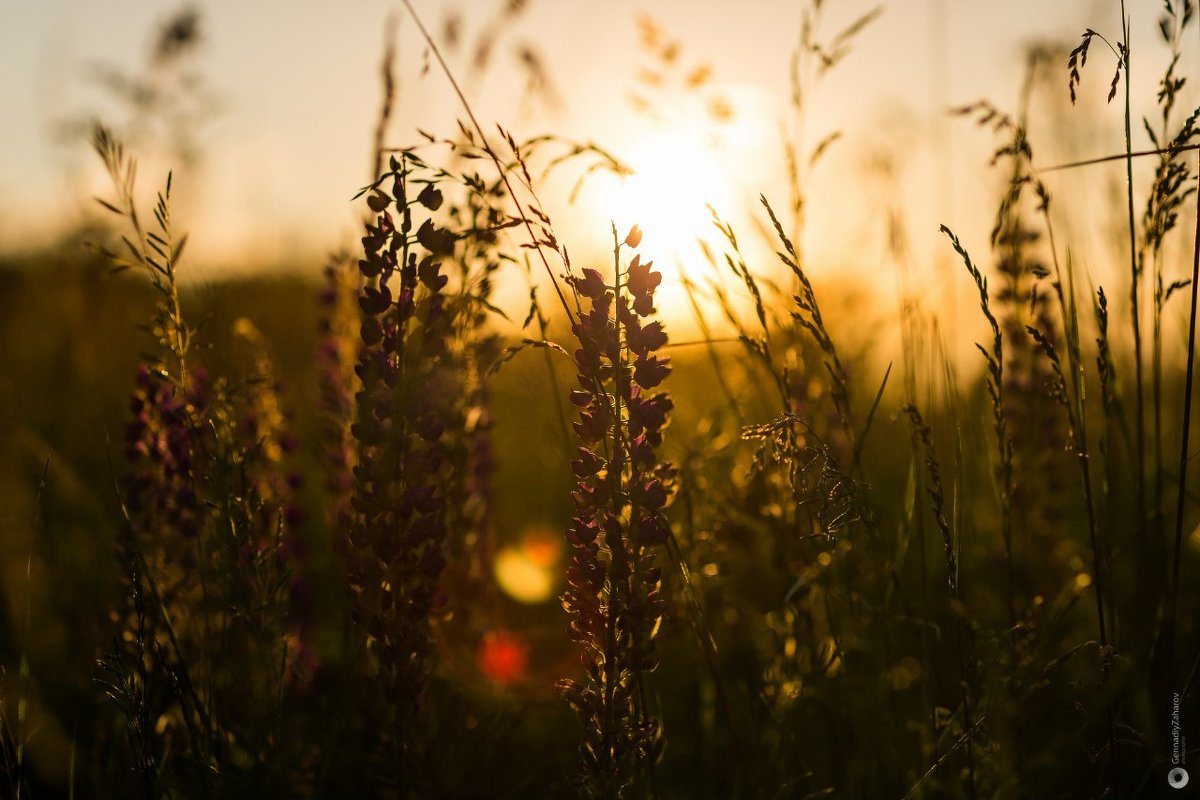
(178, 249)
(1175, 286)
(375, 184)
(430, 197)
(533, 308)
(438, 241)
(822, 146)
(862, 437)
(137, 254)
(109, 206)
(856, 27)
(378, 202)
(473, 298)
(511, 352)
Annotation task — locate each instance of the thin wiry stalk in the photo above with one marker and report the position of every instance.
(387, 103)
(1157, 151)
(1168, 192)
(710, 347)
(1134, 297)
(1075, 401)
(536, 243)
(1185, 435)
(1004, 447)
(1078, 424)
(538, 313)
(761, 345)
(757, 347)
(937, 498)
(809, 317)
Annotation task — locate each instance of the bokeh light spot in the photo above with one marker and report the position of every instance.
(528, 572)
(503, 657)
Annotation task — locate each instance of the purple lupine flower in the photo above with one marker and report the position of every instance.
(613, 587)
(162, 446)
(404, 410)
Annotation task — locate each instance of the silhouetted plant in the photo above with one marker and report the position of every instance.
(613, 585)
(409, 401)
(207, 548)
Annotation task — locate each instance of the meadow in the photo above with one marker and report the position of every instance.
(372, 528)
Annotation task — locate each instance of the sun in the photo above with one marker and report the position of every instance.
(684, 165)
(678, 180)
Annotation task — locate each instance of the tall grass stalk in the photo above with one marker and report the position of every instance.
(1070, 393)
(923, 435)
(1074, 400)
(536, 243)
(1184, 456)
(994, 358)
(718, 366)
(758, 345)
(1146, 545)
(1135, 279)
(1168, 192)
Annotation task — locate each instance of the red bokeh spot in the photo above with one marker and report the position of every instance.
(503, 657)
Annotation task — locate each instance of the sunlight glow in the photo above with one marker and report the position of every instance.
(678, 175)
(686, 164)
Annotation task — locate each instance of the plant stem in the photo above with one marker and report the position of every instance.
(1134, 277)
(1173, 597)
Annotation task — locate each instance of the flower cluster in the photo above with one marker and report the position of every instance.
(613, 586)
(159, 447)
(404, 412)
(210, 543)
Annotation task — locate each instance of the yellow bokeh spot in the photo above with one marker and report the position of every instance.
(824, 559)
(1082, 581)
(528, 572)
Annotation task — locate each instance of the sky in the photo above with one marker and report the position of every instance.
(295, 87)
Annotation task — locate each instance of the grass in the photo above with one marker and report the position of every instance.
(266, 555)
